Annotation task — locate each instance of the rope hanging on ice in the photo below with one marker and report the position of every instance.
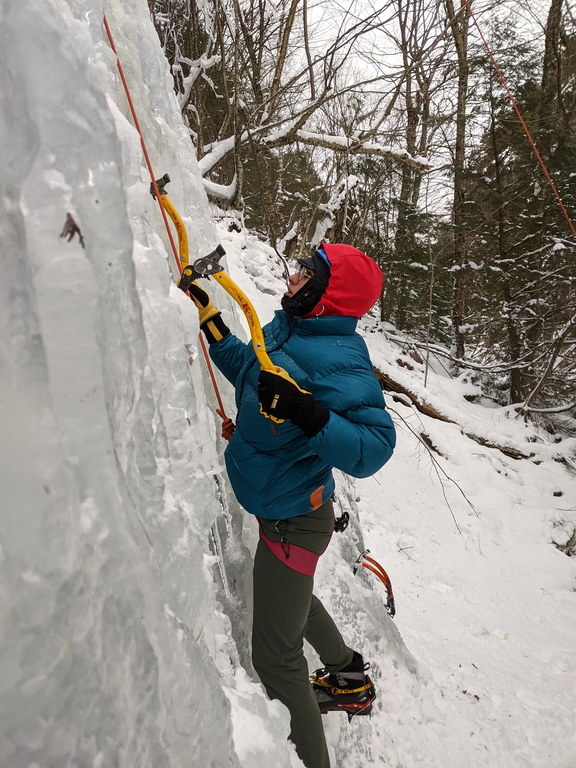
(227, 424)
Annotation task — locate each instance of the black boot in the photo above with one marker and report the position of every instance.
(349, 690)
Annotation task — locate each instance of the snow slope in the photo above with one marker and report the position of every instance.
(478, 667)
(124, 559)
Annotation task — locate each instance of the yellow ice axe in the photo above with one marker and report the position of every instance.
(175, 216)
(208, 266)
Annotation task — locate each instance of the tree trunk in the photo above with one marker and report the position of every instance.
(514, 339)
(551, 69)
(459, 28)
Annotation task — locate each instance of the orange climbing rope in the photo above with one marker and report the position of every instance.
(522, 121)
(227, 423)
(142, 142)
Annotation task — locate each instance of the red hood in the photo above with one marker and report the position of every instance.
(355, 282)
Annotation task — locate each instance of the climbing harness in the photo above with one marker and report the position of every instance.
(372, 565)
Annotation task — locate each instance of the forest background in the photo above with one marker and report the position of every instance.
(388, 127)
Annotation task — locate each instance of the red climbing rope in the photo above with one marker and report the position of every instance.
(227, 423)
(142, 142)
(519, 114)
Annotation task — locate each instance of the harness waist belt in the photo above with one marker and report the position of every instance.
(297, 558)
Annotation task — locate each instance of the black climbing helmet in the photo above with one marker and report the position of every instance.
(311, 292)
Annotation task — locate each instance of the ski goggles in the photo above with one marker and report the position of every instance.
(306, 266)
(305, 273)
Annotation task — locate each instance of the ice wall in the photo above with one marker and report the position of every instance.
(107, 450)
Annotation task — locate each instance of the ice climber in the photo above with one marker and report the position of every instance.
(329, 413)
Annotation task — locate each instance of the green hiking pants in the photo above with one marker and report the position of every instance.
(286, 612)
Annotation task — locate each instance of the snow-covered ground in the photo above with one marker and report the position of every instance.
(124, 559)
(478, 667)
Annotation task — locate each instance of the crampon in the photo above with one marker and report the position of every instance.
(340, 693)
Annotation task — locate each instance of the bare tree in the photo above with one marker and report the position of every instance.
(247, 90)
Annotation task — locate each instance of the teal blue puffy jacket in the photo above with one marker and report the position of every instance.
(275, 470)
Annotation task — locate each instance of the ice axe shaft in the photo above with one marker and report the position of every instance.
(208, 266)
(175, 216)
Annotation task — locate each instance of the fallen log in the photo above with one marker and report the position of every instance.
(389, 385)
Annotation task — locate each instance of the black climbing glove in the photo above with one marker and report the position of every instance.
(211, 322)
(281, 398)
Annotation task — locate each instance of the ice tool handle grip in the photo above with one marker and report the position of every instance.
(208, 266)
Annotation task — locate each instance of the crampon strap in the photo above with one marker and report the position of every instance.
(338, 691)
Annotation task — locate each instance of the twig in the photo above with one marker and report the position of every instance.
(439, 470)
(70, 229)
(403, 550)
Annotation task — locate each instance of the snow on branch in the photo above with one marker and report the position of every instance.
(287, 134)
(196, 68)
(224, 192)
(217, 151)
(336, 210)
(396, 388)
(350, 146)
